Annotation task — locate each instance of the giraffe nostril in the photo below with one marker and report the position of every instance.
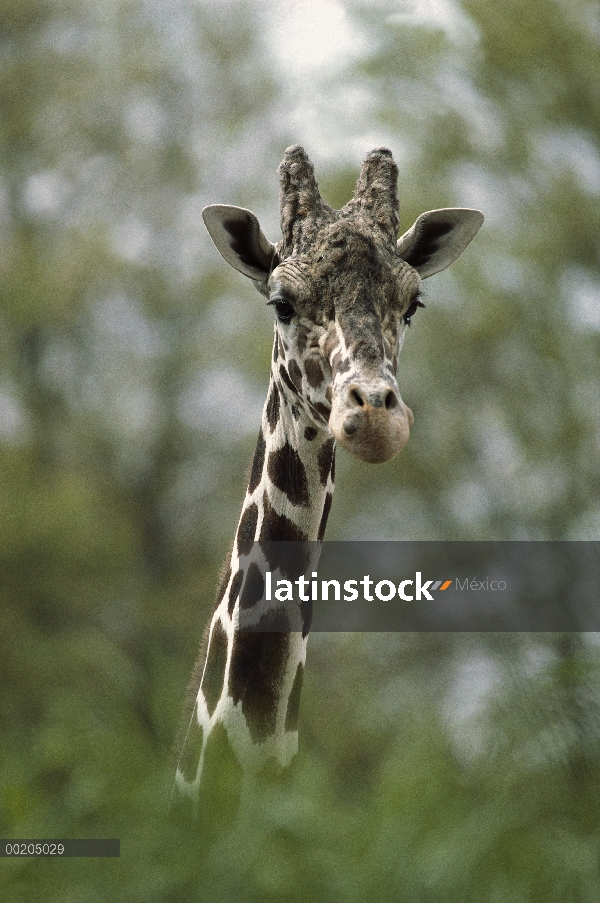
(391, 401)
(357, 397)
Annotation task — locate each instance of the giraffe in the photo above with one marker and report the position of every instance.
(344, 289)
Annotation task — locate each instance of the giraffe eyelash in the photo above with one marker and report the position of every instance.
(283, 308)
(412, 309)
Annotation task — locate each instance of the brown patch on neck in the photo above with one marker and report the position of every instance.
(214, 673)
(258, 664)
(314, 373)
(288, 474)
(325, 459)
(277, 527)
(258, 462)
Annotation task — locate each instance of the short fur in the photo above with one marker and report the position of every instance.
(343, 288)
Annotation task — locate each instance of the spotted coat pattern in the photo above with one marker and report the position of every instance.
(250, 682)
(344, 289)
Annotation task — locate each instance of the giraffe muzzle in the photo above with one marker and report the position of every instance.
(370, 421)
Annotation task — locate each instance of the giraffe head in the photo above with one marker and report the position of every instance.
(344, 289)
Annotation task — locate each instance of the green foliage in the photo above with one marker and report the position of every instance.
(431, 768)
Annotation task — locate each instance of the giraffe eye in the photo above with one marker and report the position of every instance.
(283, 309)
(411, 310)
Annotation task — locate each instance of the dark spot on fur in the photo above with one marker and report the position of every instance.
(257, 667)
(324, 516)
(278, 528)
(282, 348)
(254, 587)
(328, 394)
(301, 341)
(314, 374)
(285, 377)
(275, 347)
(293, 707)
(212, 684)
(343, 366)
(190, 757)
(295, 374)
(236, 585)
(220, 786)
(323, 410)
(290, 559)
(325, 460)
(279, 619)
(273, 407)
(287, 472)
(247, 529)
(310, 433)
(258, 462)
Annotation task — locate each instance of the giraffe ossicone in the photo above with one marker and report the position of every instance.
(344, 288)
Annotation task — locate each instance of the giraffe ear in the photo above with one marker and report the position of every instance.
(239, 239)
(438, 238)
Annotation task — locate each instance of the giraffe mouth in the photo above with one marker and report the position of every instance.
(372, 423)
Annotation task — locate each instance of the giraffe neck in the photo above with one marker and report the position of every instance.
(247, 685)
